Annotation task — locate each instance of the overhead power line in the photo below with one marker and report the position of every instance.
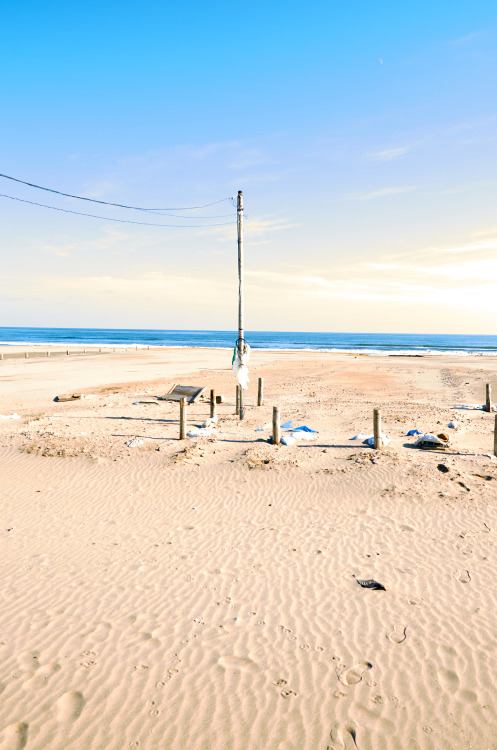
(107, 203)
(120, 221)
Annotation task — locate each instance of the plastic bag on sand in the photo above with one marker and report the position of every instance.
(362, 436)
(303, 436)
(240, 365)
(211, 422)
(413, 432)
(288, 440)
(134, 442)
(385, 440)
(199, 432)
(10, 416)
(304, 428)
(428, 438)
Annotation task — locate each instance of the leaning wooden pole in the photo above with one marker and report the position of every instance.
(260, 392)
(488, 398)
(276, 425)
(241, 333)
(377, 428)
(182, 419)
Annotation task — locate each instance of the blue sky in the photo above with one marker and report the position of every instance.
(363, 136)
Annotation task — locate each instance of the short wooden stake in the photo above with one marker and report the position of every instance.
(377, 428)
(48, 354)
(67, 352)
(260, 392)
(84, 351)
(488, 399)
(495, 436)
(276, 425)
(182, 419)
(237, 403)
(26, 355)
(213, 404)
(1, 355)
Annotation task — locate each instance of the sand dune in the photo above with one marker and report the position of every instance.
(203, 594)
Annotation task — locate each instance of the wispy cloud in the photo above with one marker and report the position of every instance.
(382, 193)
(389, 153)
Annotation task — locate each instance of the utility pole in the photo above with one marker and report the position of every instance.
(240, 342)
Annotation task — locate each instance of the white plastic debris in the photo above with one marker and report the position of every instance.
(362, 436)
(134, 442)
(303, 436)
(240, 365)
(428, 438)
(211, 422)
(287, 439)
(453, 425)
(385, 440)
(10, 416)
(199, 432)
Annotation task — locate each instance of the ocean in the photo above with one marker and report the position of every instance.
(359, 343)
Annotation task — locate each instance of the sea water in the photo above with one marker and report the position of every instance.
(360, 343)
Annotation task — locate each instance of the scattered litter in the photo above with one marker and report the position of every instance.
(453, 425)
(199, 620)
(10, 416)
(303, 435)
(241, 356)
(287, 425)
(264, 427)
(209, 422)
(385, 440)
(199, 432)
(219, 399)
(74, 397)
(483, 407)
(413, 432)
(362, 436)
(443, 468)
(143, 402)
(134, 442)
(287, 439)
(370, 584)
(304, 428)
(11, 528)
(432, 442)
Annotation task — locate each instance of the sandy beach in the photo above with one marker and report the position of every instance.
(202, 594)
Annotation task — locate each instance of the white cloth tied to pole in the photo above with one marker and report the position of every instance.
(240, 364)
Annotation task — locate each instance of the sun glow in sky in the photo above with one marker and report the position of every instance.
(363, 136)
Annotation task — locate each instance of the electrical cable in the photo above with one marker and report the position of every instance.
(121, 221)
(107, 203)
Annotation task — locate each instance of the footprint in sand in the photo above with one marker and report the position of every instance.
(343, 737)
(15, 736)
(397, 636)
(42, 676)
(28, 661)
(69, 706)
(353, 675)
(238, 663)
(463, 576)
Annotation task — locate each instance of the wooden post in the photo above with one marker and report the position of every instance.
(276, 425)
(495, 436)
(48, 354)
(26, 355)
(260, 392)
(241, 333)
(182, 419)
(213, 404)
(84, 351)
(67, 352)
(237, 403)
(488, 404)
(1, 355)
(377, 428)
